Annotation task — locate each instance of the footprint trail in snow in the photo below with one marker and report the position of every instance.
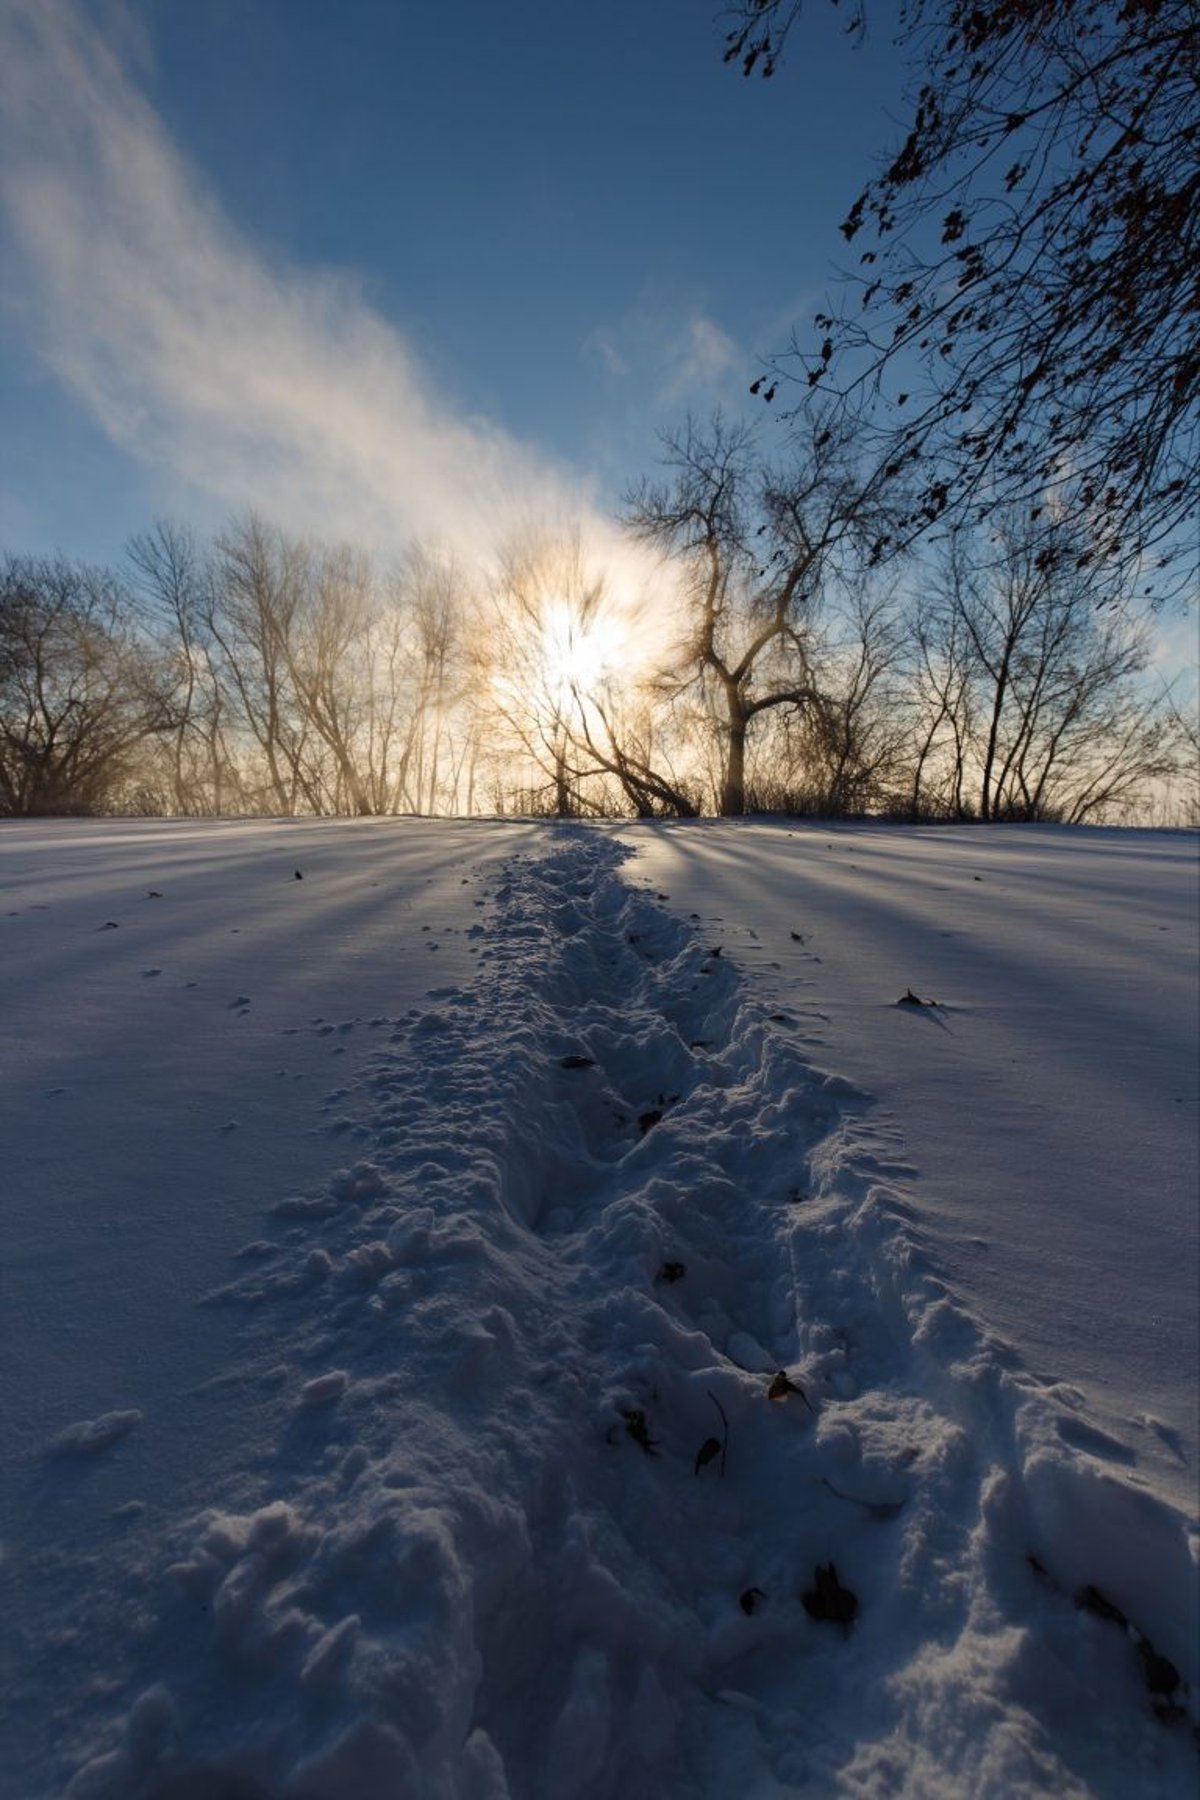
(616, 1436)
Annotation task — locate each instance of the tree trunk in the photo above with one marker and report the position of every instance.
(733, 786)
(563, 801)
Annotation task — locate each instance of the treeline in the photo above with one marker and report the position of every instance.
(782, 663)
(255, 675)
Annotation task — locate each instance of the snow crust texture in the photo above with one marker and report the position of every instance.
(611, 1429)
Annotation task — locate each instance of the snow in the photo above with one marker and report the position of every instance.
(400, 1264)
(1047, 1107)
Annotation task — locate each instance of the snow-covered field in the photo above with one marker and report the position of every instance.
(521, 1311)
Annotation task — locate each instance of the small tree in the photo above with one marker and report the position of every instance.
(1051, 716)
(323, 638)
(941, 708)
(80, 690)
(434, 602)
(845, 754)
(173, 574)
(252, 602)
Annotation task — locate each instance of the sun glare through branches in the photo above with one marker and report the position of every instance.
(579, 654)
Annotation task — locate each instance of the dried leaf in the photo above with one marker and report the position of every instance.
(724, 1445)
(1162, 1677)
(1090, 1599)
(782, 1385)
(709, 1449)
(828, 1600)
(639, 1431)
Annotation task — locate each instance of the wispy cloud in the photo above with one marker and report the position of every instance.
(604, 347)
(256, 384)
(701, 362)
(677, 355)
(1175, 653)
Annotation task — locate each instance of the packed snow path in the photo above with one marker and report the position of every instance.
(607, 1427)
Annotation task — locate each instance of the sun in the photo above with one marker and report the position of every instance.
(576, 656)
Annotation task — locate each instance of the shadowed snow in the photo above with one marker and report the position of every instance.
(589, 1377)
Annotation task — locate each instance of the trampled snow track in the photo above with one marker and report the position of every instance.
(597, 1203)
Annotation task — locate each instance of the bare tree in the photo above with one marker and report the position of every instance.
(253, 602)
(302, 682)
(1047, 664)
(942, 722)
(622, 735)
(437, 599)
(80, 692)
(388, 728)
(323, 631)
(1028, 280)
(755, 548)
(1183, 804)
(174, 576)
(844, 755)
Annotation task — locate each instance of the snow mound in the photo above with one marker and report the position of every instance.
(91, 1435)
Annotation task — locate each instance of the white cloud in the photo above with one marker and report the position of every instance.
(701, 362)
(676, 354)
(257, 385)
(603, 345)
(1175, 652)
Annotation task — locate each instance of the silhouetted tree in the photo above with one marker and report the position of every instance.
(435, 600)
(846, 753)
(1042, 681)
(80, 691)
(253, 598)
(323, 637)
(755, 546)
(173, 574)
(1030, 263)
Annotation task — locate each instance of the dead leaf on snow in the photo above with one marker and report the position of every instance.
(828, 1600)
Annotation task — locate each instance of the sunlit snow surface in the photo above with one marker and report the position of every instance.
(397, 1259)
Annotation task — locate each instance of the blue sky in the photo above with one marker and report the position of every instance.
(338, 261)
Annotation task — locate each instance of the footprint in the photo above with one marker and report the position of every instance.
(89, 1436)
(1166, 1434)
(1090, 1438)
